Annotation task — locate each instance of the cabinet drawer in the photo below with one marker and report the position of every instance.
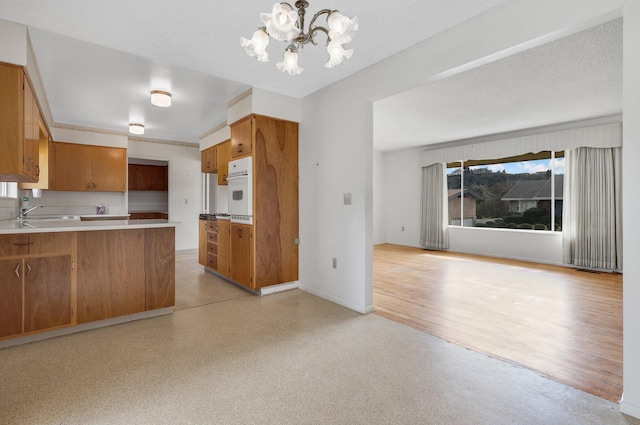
(212, 236)
(212, 261)
(212, 248)
(11, 245)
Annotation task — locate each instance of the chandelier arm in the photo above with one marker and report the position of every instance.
(317, 15)
(313, 30)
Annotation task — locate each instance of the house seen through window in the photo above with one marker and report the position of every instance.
(522, 192)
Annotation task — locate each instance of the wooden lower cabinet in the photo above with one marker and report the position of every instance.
(242, 254)
(224, 248)
(60, 279)
(159, 268)
(47, 292)
(122, 272)
(111, 274)
(11, 299)
(37, 282)
(202, 242)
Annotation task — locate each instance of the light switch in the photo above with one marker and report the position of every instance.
(347, 199)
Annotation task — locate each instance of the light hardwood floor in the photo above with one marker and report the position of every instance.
(563, 323)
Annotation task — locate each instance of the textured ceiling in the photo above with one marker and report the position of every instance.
(195, 45)
(99, 60)
(570, 79)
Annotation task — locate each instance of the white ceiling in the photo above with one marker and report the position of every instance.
(99, 60)
(571, 79)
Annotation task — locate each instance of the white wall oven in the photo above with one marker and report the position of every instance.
(241, 190)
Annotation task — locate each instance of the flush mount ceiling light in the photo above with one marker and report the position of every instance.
(135, 128)
(161, 98)
(286, 24)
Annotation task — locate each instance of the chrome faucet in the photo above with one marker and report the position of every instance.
(25, 211)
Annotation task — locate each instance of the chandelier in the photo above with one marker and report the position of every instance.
(286, 24)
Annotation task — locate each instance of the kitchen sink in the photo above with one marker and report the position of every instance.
(50, 217)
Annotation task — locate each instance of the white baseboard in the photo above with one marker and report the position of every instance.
(278, 288)
(630, 409)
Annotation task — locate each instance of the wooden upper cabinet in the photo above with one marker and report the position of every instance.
(209, 160)
(242, 137)
(148, 177)
(90, 168)
(224, 156)
(31, 133)
(18, 126)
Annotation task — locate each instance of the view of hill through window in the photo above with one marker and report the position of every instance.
(514, 193)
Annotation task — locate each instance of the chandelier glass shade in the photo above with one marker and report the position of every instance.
(284, 23)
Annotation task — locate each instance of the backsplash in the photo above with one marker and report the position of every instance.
(75, 203)
(8, 208)
(148, 200)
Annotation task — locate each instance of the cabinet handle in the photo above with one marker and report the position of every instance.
(37, 171)
(239, 233)
(24, 244)
(28, 269)
(239, 147)
(17, 270)
(224, 177)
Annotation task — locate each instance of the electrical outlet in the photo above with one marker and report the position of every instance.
(347, 199)
(335, 263)
(403, 228)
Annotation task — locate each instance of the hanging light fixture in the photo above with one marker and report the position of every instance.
(161, 98)
(135, 128)
(286, 24)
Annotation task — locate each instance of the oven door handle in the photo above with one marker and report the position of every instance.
(242, 176)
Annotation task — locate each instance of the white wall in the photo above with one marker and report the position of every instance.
(185, 185)
(403, 194)
(13, 48)
(631, 206)
(336, 134)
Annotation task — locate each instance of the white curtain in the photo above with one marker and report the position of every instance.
(592, 208)
(435, 211)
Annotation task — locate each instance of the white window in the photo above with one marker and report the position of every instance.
(521, 192)
(8, 190)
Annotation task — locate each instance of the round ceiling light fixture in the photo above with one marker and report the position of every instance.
(161, 98)
(135, 128)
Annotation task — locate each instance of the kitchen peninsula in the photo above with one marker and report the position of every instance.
(64, 276)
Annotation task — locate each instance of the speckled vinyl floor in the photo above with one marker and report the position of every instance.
(288, 358)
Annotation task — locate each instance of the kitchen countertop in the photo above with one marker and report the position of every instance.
(46, 226)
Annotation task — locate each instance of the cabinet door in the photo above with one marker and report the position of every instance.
(31, 134)
(47, 292)
(52, 165)
(212, 245)
(11, 245)
(224, 156)
(111, 274)
(159, 268)
(209, 159)
(202, 242)
(241, 254)
(151, 177)
(242, 138)
(108, 169)
(11, 297)
(73, 167)
(224, 247)
(132, 176)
